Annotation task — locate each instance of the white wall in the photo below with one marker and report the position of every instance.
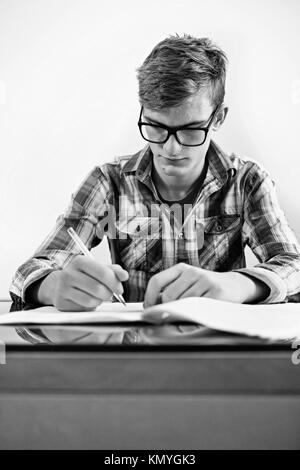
(67, 72)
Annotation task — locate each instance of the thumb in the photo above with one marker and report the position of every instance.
(121, 273)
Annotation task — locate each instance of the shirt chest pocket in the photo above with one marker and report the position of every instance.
(136, 238)
(221, 233)
(221, 224)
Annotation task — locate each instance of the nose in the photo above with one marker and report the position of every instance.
(172, 147)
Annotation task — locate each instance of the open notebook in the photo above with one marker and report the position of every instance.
(275, 321)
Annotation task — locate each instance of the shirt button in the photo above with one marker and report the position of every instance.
(180, 235)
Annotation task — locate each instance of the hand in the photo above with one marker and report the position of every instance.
(183, 280)
(82, 285)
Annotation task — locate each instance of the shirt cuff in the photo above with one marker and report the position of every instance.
(278, 288)
(33, 277)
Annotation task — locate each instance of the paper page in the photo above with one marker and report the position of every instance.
(271, 321)
(107, 312)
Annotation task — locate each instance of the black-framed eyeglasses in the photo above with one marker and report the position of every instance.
(185, 135)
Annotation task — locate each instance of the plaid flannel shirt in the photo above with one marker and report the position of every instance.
(236, 206)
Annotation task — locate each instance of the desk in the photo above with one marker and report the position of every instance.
(78, 388)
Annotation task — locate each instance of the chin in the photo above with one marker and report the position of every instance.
(171, 170)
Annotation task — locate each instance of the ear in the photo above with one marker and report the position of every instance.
(220, 118)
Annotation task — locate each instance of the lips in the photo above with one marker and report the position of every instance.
(173, 159)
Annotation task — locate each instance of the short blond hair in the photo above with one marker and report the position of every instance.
(177, 68)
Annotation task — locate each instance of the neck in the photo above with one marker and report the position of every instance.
(172, 188)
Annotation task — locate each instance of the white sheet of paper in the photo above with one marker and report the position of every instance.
(106, 312)
(274, 321)
(271, 321)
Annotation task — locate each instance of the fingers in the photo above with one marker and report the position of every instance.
(85, 283)
(184, 282)
(181, 280)
(67, 305)
(119, 272)
(107, 275)
(196, 290)
(84, 300)
(159, 282)
(90, 286)
(74, 300)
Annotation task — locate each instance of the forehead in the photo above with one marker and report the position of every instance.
(196, 108)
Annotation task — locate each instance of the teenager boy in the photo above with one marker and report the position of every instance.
(179, 213)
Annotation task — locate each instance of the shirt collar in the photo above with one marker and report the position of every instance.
(219, 164)
(139, 162)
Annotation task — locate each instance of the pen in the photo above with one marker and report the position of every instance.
(86, 252)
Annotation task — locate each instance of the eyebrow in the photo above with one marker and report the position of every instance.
(193, 123)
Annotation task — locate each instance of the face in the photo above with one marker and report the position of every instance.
(171, 159)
